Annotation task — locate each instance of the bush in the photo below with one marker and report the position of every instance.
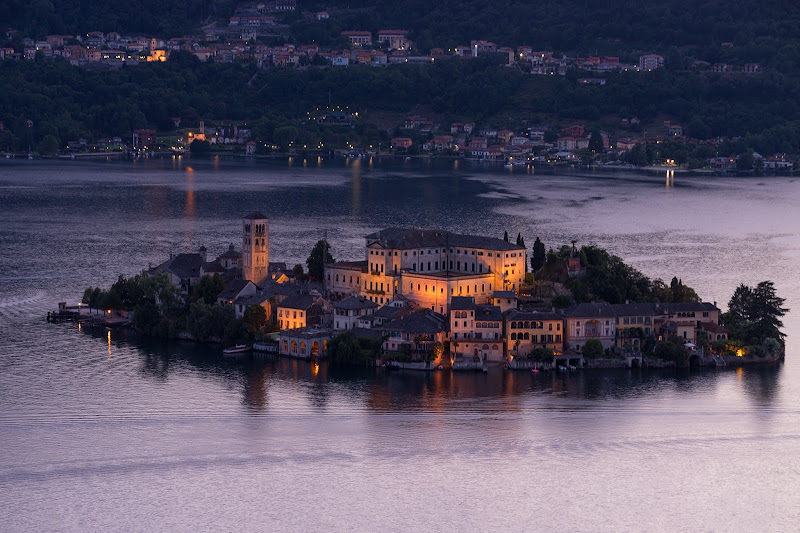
(593, 348)
(542, 354)
(561, 301)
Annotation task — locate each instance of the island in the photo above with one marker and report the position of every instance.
(431, 299)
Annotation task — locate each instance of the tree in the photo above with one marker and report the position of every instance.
(593, 348)
(208, 288)
(672, 351)
(560, 301)
(344, 349)
(745, 161)
(542, 354)
(284, 136)
(505, 236)
(48, 146)
(254, 318)
(297, 271)
(520, 240)
(320, 256)
(437, 349)
(146, 318)
(539, 255)
(754, 314)
(200, 147)
(596, 142)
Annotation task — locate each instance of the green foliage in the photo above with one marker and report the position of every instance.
(609, 279)
(208, 288)
(254, 318)
(754, 314)
(347, 349)
(198, 147)
(745, 161)
(206, 322)
(129, 293)
(554, 269)
(320, 256)
(561, 301)
(146, 318)
(49, 146)
(180, 17)
(596, 142)
(297, 271)
(593, 348)
(543, 354)
(539, 256)
(672, 351)
(235, 332)
(69, 102)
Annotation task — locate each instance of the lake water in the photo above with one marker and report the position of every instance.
(103, 432)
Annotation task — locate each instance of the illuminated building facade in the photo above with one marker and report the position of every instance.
(255, 247)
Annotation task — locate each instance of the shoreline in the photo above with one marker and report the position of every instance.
(473, 163)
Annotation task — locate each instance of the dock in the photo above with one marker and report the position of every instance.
(89, 315)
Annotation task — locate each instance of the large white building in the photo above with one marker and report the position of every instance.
(429, 267)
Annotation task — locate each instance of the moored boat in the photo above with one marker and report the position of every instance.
(236, 350)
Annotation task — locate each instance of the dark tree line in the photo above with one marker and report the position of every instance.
(761, 113)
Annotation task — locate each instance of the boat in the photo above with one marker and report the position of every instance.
(236, 350)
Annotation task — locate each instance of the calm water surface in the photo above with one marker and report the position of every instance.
(123, 433)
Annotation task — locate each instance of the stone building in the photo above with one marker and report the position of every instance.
(430, 267)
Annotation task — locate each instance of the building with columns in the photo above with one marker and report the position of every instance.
(429, 267)
(255, 247)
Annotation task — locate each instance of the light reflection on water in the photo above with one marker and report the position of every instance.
(181, 438)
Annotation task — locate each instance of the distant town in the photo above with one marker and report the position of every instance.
(243, 40)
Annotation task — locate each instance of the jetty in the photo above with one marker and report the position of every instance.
(88, 315)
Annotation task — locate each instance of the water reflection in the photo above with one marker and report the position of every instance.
(355, 186)
(385, 390)
(189, 210)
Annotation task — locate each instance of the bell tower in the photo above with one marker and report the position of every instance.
(255, 247)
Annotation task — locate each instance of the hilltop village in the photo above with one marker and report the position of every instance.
(252, 36)
(432, 298)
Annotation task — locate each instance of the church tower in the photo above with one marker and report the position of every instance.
(255, 247)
